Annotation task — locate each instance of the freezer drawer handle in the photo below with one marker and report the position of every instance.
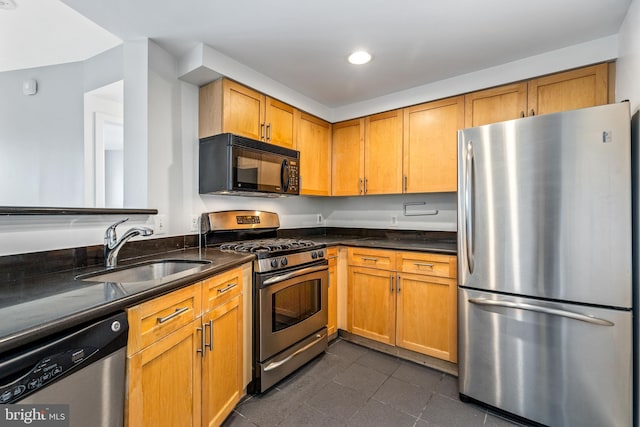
(545, 310)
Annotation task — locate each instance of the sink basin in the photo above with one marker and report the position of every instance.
(148, 271)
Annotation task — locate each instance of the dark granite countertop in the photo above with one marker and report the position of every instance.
(438, 242)
(36, 307)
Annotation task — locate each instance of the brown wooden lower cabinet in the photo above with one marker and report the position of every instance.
(332, 321)
(221, 372)
(410, 304)
(164, 381)
(191, 374)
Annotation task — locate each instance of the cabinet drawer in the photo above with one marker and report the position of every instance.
(221, 288)
(155, 319)
(429, 264)
(374, 258)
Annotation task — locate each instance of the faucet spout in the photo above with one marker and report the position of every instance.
(112, 245)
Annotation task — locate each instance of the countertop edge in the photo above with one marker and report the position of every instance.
(77, 319)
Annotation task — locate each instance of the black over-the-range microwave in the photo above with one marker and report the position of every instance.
(232, 164)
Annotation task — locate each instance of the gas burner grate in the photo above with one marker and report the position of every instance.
(267, 245)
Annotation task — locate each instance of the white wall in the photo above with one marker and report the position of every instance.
(628, 64)
(41, 137)
(161, 116)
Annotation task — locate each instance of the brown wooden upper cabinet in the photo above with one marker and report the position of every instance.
(367, 155)
(430, 145)
(227, 106)
(314, 144)
(347, 159)
(579, 88)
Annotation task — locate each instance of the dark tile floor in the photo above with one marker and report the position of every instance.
(351, 385)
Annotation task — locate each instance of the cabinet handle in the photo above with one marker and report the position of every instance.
(210, 324)
(398, 286)
(422, 264)
(391, 284)
(533, 113)
(521, 114)
(366, 182)
(404, 184)
(360, 186)
(262, 131)
(178, 312)
(227, 288)
(369, 259)
(202, 339)
(269, 132)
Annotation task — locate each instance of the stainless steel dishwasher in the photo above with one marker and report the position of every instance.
(83, 367)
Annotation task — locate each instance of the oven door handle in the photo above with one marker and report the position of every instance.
(274, 365)
(283, 277)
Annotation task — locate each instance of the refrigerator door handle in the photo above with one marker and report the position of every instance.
(469, 207)
(540, 309)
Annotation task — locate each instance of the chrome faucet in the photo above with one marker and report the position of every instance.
(112, 245)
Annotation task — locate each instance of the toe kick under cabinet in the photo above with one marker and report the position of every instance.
(186, 354)
(406, 299)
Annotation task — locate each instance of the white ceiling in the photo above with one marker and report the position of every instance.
(45, 32)
(304, 44)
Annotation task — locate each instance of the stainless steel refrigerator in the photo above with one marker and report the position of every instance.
(544, 260)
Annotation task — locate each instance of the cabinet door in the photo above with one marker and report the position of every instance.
(164, 381)
(383, 153)
(495, 105)
(281, 121)
(243, 110)
(371, 300)
(222, 362)
(347, 158)
(580, 88)
(430, 145)
(314, 144)
(427, 315)
(332, 322)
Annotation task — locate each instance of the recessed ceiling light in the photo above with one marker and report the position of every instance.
(7, 4)
(360, 57)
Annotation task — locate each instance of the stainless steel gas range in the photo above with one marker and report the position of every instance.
(290, 282)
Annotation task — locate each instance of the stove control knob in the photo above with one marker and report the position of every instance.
(274, 263)
(314, 255)
(321, 253)
(284, 262)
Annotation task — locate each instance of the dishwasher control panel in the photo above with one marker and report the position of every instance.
(44, 372)
(36, 365)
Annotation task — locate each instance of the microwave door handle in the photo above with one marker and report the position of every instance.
(284, 175)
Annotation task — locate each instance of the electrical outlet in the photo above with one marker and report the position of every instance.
(195, 222)
(394, 220)
(161, 224)
(319, 219)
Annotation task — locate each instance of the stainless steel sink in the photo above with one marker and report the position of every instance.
(145, 272)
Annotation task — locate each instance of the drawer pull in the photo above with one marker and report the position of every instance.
(422, 264)
(178, 312)
(370, 259)
(227, 288)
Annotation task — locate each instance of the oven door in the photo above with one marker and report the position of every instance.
(292, 306)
